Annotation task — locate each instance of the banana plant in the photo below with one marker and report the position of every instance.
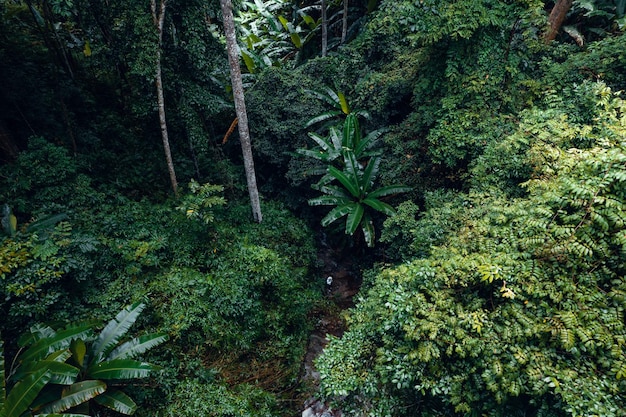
(355, 196)
(105, 359)
(37, 368)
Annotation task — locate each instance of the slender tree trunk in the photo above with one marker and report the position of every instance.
(556, 19)
(159, 19)
(344, 28)
(240, 108)
(324, 29)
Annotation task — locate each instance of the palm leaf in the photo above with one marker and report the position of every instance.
(60, 340)
(76, 394)
(379, 206)
(137, 346)
(350, 183)
(368, 230)
(388, 190)
(337, 213)
(354, 218)
(24, 393)
(114, 331)
(118, 401)
(120, 369)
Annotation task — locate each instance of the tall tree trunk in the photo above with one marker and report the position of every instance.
(240, 108)
(159, 19)
(344, 28)
(324, 29)
(556, 19)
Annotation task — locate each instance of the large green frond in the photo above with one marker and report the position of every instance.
(60, 340)
(118, 401)
(24, 393)
(114, 331)
(76, 394)
(351, 132)
(120, 369)
(354, 218)
(322, 117)
(379, 206)
(60, 372)
(388, 190)
(329, 200)
(137, 346)
(370, 173)
(334, 190)
(368, 230)
(350, 183)
(337, 213)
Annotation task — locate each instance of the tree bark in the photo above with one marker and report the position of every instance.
(240, 108)
(556, 19)
(344, 28)
(159, 19)
(324, 29)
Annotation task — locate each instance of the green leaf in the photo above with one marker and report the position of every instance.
(137, 346)
(118, 401)
(379, 206)
(388, 190)
(60, 372)
(120, 369)
(369, 174)
(368, 230)
(248, 61)
(351, 185)
(76, 394)
(24, 393)
(335, 191)
(322, 117)
(354, 218)
(61, 340)
(295, 38)
(78, 349)
(351, 132)
(283, 21)
(114, 331)
(337, 213)
(344, 103)
(329, 200)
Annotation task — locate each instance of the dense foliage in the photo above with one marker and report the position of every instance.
(496, 283)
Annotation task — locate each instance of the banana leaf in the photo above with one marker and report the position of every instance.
(76, 394)
(379, 206)
(388, 190)
(137, 346)
(337, 213)
(329, 200)
(24, 393)
(351, 184)
(48, 345)
(60, 372)
(120, 369)
(368, 230)
(114, 331)
(354, 218)
(118, 401)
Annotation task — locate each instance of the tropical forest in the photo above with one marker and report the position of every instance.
(316, 208)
